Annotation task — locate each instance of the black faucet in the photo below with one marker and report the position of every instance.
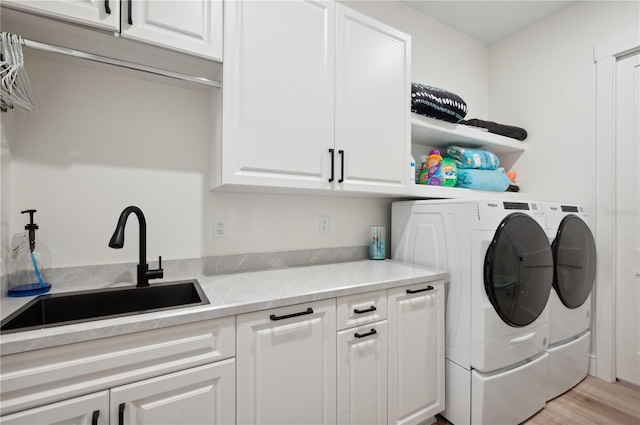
(117, 241)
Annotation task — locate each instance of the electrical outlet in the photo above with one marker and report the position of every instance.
(220, 228)
(324, 224)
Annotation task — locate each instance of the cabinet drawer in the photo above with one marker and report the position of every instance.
(43, 376)
(360, 309)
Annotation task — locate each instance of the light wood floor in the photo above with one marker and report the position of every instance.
(591, 402)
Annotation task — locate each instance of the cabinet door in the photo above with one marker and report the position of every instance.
(416, 352)
(287, 365)
(190, 26)
(92, 409)
(373, 93)
(103, 14)
(278, 94)
(362, 375)
(201, 395)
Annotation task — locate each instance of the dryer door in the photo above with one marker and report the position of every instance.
(518, 270)
(574, 256)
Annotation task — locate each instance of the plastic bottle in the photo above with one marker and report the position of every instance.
(411, 176)
(448, 172)
(433, 166)
(30, 257)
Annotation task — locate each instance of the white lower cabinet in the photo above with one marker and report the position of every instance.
(370, 358)
(362, 374)
(202, 395)
(287, 365)
(177, 375)
(416, 352)
(91, 409)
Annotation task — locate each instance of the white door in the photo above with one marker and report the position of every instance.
(416, 352)
(190, 26)
(201, 395)
(103, 14)
(287, 365)
(92, 409)
(278, 99)
(373, 89)
(627, 219)
(362, 375)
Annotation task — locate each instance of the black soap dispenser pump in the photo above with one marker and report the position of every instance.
(30, 259)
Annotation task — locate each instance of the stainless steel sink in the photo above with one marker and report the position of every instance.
(74, 307)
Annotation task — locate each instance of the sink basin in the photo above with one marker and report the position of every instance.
(81, 306)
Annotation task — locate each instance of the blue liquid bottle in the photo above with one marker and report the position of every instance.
(29, 260)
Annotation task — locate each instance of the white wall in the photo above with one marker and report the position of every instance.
(543, 79)
(102, 140)
(5, 180)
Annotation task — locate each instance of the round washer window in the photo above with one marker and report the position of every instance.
(574, 256)
(518, 270)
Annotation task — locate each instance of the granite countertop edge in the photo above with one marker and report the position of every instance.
(229, 295)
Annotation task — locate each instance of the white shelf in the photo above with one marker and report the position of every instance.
(440, 134)
(426, 191)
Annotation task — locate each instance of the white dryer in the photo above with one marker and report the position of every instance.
(500, 275)
(574, 256)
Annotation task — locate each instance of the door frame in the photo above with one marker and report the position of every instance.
(605, 55)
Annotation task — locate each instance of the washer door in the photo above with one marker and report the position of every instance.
(574, 256)
(518, 270)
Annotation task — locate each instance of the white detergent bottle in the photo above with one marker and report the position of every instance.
(411, 176)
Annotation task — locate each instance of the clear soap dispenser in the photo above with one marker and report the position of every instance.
(29, 261)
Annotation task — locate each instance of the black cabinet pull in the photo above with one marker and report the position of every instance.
(341, 153)
(370, 309)
(428, 288)
(331, 152)
(107, 8)
(289, 316)
(130, 7)
(371, 332)
(94, 418)
(121, 414)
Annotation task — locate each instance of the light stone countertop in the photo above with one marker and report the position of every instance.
(229, 294)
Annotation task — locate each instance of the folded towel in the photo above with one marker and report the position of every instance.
(473, 158)
(491, 180)
(501, 129)
(437, 103)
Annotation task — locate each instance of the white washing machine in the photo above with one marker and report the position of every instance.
(500, 275)
(574, 256)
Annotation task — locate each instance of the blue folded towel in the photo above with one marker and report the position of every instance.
(473, 158)
(491, 180)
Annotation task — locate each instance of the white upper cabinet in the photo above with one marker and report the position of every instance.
(189, 26)
(373, 89)
(193, 27)
(103, 14)
(278, 93)
(307, 105)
